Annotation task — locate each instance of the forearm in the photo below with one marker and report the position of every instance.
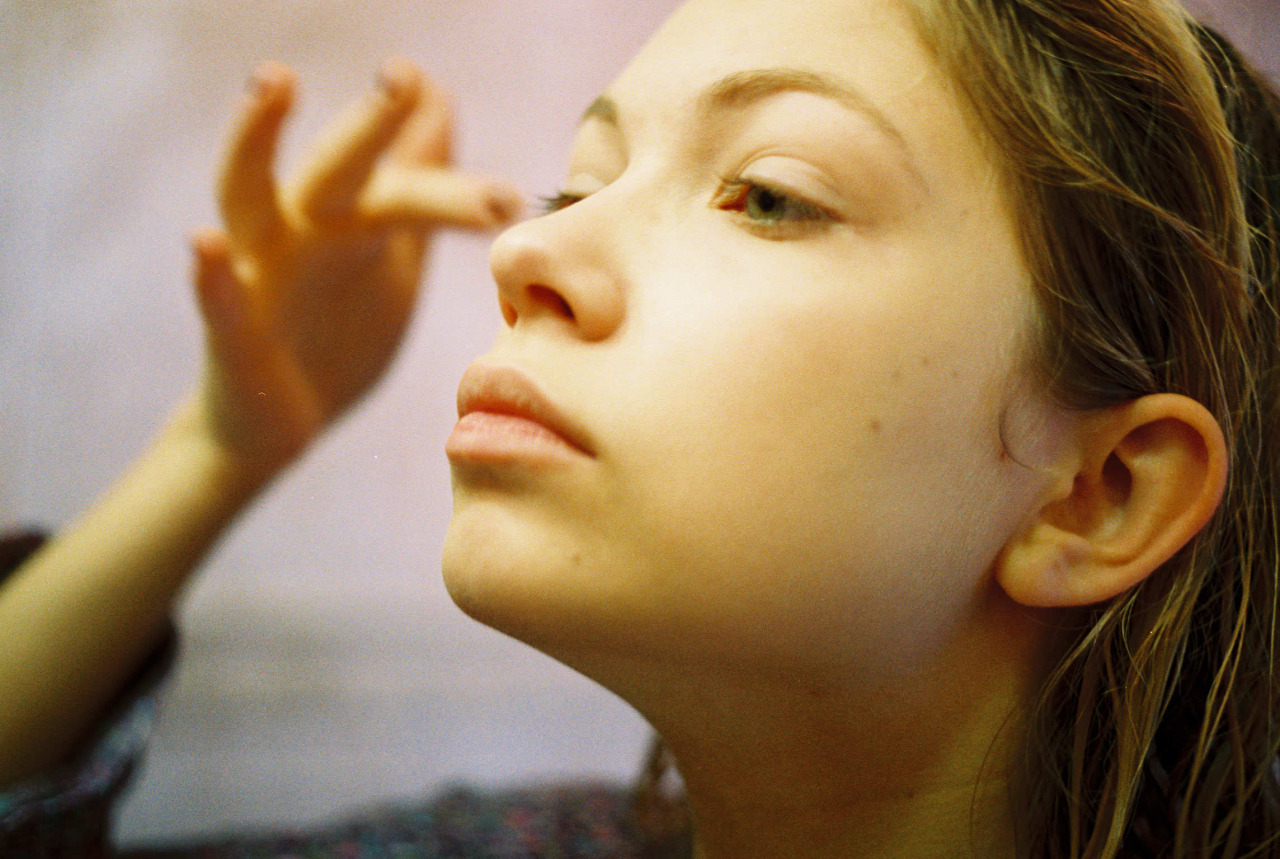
(79, 616)
(280, 288)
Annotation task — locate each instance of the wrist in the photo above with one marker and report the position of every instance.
(235, 471)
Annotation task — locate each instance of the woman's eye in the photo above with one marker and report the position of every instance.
(557, 201)
(767, 206)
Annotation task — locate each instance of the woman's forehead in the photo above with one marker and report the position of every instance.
(866, 54)
(874, 41)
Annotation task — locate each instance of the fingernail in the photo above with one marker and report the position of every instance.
(256, 85)
(207, 241)
(264, 79)
(395, 77)
(504, 203)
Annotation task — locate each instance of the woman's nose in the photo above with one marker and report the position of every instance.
(559, 270)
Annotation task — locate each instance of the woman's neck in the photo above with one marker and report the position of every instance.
(939, 822)
(935, 786)
(785, 766)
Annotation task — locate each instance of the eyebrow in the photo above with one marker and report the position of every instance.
(742, 89)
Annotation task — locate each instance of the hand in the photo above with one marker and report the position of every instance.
(307, 291)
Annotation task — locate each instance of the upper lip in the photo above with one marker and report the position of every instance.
(508, 390)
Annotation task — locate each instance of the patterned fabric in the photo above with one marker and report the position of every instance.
(561, 822)
(66, 813)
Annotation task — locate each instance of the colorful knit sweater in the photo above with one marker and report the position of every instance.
(67, 812)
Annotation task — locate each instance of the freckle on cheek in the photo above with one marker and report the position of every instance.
(925, 361)
(875, 426)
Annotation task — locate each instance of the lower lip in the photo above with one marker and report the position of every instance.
(494, 438)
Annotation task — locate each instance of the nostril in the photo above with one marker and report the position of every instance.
(552, 300)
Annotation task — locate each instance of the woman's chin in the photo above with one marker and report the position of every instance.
(513, 577)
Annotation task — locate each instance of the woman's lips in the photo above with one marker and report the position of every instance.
(504, 417)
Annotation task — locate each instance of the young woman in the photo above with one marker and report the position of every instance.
(887, 409)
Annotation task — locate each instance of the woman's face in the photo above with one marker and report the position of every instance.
(776, 333)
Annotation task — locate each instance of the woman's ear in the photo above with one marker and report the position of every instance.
(1148, 476)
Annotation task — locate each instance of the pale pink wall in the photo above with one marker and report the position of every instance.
(323, 665)
(1254, 25)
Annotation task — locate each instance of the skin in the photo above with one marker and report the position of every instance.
(780, 544)
(815, 497)
(279, 285)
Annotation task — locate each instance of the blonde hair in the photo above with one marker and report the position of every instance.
(1143, 155)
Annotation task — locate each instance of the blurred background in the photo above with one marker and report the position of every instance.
(323, 667)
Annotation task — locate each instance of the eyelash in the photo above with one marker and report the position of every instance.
(734, 192)
(557, 201)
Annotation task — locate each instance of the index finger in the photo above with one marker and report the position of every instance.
(427, 197)
(247, 194)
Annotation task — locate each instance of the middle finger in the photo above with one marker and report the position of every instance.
(341, 162)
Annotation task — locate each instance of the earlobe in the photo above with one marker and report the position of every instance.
(1149, 476)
